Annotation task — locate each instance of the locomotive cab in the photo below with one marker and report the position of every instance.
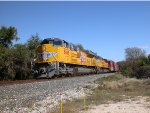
(47, 57)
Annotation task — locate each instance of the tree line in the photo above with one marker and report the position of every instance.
(136, 64)
(15, 59)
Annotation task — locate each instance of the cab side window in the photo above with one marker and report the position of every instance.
(71, 47)
(66, 44)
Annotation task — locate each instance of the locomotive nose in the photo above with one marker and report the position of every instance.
(44, 53)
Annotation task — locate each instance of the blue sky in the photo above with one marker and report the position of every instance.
(103, 27)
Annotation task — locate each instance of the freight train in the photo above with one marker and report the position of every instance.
(56, 57)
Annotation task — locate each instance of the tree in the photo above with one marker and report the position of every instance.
(142, 61)
(7, 35)
(134, 53)
(33, 43)
(149, 58)
(21, 59)
(6, 63)
(137, 64)
(14, 62)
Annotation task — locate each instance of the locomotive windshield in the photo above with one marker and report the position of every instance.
(57, 42)
(46, 41)
(54, 42)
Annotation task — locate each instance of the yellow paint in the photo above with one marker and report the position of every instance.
(84, 104)
(65, 55)
(61, 104)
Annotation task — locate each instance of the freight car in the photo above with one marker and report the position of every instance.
(113, 66)
(56, 57)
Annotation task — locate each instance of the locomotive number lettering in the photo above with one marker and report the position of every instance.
(66, 52)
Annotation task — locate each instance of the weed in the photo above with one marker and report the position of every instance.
(113, 88)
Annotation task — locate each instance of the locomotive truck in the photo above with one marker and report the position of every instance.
(57, 57)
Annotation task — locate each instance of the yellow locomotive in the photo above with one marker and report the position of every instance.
(57, 57)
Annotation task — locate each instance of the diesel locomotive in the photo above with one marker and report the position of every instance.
(57, 57)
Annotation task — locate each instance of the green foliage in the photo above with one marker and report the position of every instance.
(32, 44)
(14, 62)
(21, 61)
(7, 35)
(148, 58)
(6, 63)
(143, 71)
(15, 59)
(122, 67)
(142, 61)
(115, 77)
(137, 64)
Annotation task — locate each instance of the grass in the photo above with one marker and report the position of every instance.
(113, 88)
(69, 107)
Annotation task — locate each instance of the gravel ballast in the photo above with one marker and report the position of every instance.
(22, 97)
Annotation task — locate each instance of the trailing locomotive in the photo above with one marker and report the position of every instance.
(56, 57)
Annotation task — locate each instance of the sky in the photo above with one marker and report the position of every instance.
(106, 28)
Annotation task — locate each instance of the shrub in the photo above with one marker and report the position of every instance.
(143, 72)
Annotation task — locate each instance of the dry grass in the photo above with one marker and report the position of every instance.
(110, 89)
(68, 107)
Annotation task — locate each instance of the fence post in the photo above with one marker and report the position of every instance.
(84, 101)
(60, 103)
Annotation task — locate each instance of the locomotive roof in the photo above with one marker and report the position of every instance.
(52, 39)
(91, 52)
(86, 51)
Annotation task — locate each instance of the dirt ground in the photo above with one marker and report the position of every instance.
(135, 105)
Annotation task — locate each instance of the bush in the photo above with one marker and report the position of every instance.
(143, 72)
(139, 68)
(14, 62)
(6, 63)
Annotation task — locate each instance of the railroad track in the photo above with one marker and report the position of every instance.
(11, 82)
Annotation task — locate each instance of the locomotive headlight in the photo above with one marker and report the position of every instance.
(43, 48)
